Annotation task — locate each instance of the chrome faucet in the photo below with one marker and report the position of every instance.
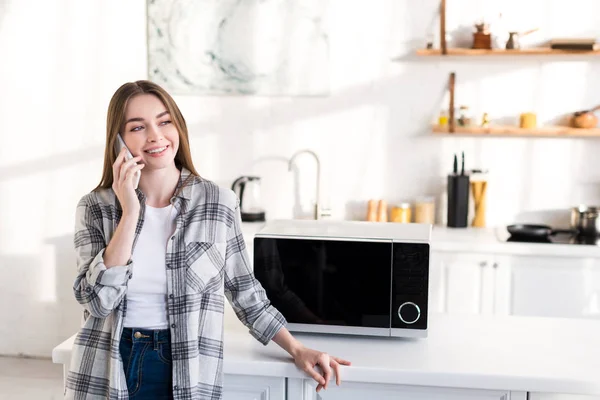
(318, 211)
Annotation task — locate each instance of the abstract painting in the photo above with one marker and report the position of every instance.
(239, 47)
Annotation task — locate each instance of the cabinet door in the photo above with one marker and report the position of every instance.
(242, 387)
(553, 286)
(462, 283)
(361, 391)
(552, 396)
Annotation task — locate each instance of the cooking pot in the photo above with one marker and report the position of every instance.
(585, 220)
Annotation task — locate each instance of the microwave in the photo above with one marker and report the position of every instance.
(346, 277)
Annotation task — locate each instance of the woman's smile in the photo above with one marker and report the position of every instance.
(156, 151)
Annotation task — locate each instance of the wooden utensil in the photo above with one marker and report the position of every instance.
(443, 43)
(592, 110)
(451, 120)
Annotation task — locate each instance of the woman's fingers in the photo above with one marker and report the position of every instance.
(116, 167)
(341, 361)
(127, 165)
(314, 374)
(131, 171)
(336, 368)
(324, 363)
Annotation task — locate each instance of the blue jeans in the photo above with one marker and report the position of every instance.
(147, 362)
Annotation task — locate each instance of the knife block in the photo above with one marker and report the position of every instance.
(458, 201)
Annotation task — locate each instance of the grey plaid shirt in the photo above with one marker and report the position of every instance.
(206, 261)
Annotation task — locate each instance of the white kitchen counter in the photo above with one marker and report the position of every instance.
(478, 352)
(480, 240)
(493, 240)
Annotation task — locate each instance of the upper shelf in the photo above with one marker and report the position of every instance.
(546, 131)
(539, 51)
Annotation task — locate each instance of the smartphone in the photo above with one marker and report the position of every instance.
(119, 144)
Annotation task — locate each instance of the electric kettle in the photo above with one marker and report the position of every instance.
(247, 188)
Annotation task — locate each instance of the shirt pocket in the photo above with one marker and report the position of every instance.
(204, 266)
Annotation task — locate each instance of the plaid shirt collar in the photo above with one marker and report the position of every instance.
(183, 190)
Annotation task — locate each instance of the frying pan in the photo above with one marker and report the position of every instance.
(536, 231)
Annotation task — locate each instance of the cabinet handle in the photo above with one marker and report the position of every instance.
(495, 265)
(483, 264)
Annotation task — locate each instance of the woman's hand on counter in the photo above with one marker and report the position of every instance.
(307, 359)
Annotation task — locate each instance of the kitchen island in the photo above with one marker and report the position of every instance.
(464, 357)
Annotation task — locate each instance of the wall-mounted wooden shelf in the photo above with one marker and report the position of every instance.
(543, 51)
(548, 131)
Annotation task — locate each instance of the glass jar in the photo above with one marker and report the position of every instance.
(425, 210)
(401, 213)
(464, 118)
(443, 118)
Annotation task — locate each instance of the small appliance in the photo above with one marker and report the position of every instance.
(247, 188)
(346, 277)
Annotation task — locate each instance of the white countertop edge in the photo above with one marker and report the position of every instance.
(61, 354)
(415, 378)
(493, 240)
(285, 368)
(535, 249)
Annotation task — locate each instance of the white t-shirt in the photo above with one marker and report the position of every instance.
(147, 288)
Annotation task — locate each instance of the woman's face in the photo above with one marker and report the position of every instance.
(149, 132)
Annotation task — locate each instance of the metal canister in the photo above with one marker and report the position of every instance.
(585, 220)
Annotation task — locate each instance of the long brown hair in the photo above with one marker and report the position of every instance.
(115, 123)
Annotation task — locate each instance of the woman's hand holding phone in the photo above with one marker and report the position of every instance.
(119, 250)
(123, 182)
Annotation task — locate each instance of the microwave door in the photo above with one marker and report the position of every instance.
(327, 285)
(320, 266)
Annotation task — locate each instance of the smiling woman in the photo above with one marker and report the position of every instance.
(145, 107)
(155, 263)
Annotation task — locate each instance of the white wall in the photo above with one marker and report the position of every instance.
(62, 60)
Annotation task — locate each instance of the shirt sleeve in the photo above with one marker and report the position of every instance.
(246, 295)
(97, 288)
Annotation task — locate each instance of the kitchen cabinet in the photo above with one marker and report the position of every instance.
(478, 283)
(463, 283)
(304, 389)
(246, 387)
(562, 287)
(552, 396)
